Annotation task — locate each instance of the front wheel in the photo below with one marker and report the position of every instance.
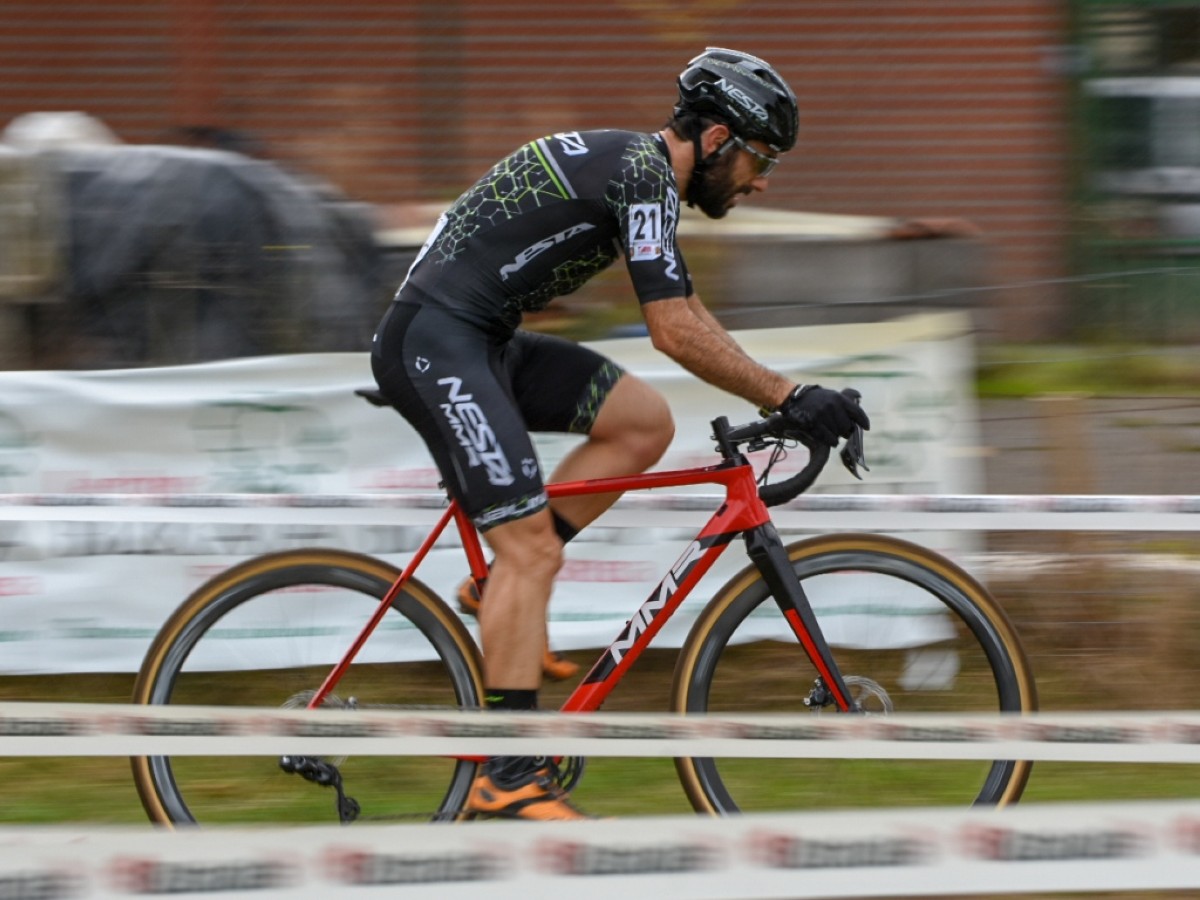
(910, 631)
(266, 633)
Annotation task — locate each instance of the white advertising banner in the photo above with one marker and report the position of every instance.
(88, 596)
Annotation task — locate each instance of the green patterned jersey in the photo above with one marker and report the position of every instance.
(547, 218)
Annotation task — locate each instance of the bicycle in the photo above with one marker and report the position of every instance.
(912, 632)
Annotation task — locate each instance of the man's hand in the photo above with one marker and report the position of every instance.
(826, 415)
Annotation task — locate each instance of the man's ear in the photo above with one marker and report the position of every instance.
(712, 137)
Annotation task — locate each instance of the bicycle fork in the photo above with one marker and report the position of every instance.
(769, 556)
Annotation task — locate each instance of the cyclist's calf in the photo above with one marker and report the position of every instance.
(512, 616)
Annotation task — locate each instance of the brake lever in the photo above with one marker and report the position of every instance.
(853, 454)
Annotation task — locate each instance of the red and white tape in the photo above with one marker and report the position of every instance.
(37, 729)
(876, 512)
(1111, 847)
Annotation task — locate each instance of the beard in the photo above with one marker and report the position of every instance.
(715, 188)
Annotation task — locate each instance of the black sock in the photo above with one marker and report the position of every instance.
(564, 529)
(511, 771)
(516, 699)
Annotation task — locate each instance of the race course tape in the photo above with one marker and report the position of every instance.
(862, 853)
(874, 512)
(53, 729)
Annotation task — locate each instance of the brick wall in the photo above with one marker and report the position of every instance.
(907, 108)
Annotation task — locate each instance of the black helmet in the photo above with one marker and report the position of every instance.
(743, 91)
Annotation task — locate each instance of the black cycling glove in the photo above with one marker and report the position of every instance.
(824, 414)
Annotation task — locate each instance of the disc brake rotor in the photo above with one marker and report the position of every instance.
(869, 696)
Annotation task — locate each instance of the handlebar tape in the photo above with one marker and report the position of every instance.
(789, 489)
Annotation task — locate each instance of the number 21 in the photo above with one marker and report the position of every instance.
(645, 222)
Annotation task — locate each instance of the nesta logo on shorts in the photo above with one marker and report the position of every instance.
(473, 432)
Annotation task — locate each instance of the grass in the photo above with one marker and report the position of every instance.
(82, 790)
(1012, 371)
(1090, 632)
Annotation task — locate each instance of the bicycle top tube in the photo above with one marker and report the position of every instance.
(741, 509)
(734, 478)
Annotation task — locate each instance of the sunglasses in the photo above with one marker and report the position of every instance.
(763, 165)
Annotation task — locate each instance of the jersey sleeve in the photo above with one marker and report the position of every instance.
(643, 196)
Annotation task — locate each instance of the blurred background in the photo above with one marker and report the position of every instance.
(184, 180)
(373, 115)
(1066, 131)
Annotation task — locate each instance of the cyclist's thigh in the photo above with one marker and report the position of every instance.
(634, 408)
(445, 377)
(559, 385)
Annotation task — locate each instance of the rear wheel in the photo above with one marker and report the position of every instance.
(910, 631)
(266, 633)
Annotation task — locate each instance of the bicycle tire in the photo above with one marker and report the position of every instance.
(957, 653)
(265, 633)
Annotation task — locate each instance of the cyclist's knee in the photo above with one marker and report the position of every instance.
(542, 555)
(647, 446)
(529, 546)
(636, 417)
(662, 432)
(538, 562)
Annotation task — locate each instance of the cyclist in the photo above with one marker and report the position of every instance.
(449, 355)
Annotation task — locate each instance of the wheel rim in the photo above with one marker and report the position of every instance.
(266, 642)
(911, 634)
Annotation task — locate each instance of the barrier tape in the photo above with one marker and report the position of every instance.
(1019, 850)
(51, 729)
(995, 503)
(1078, 512)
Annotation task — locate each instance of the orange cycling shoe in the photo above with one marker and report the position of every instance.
(468, 596)
(520, 788)
(554, 666)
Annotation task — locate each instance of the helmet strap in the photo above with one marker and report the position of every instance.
(702, 164)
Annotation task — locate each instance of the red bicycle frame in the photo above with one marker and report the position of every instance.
(742, 512)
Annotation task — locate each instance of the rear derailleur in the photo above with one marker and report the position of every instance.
(319, 771)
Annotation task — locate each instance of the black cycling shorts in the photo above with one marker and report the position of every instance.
(474, 398)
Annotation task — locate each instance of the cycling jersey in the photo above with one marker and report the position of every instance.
(546, 219)
(538, 225)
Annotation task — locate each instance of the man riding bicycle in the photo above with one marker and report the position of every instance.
(450, 356)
